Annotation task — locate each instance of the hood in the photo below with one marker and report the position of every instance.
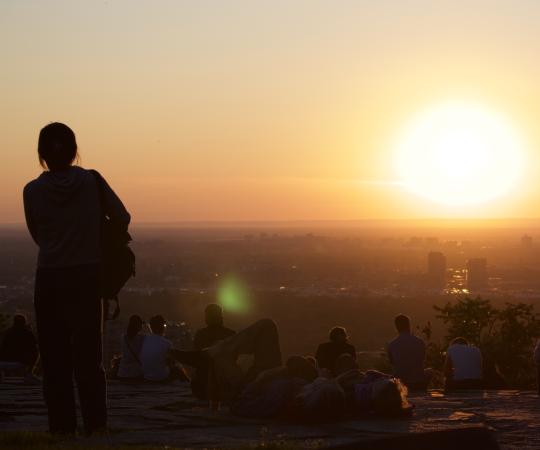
(62, 185)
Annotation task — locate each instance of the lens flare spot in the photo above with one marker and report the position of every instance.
(233, 295)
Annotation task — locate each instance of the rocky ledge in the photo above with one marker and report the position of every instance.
(168, 415)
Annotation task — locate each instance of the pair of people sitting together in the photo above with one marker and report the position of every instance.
(148, 356)
(407, 354)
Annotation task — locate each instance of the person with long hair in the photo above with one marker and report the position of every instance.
(64, 215)
(130, 367)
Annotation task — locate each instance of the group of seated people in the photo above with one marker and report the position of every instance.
(301, 386)
(329, 384)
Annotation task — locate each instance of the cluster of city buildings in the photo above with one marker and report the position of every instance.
(474, 277)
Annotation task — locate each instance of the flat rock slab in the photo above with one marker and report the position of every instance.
(169, 415)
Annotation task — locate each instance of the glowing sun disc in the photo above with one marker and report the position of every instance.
(459, 153)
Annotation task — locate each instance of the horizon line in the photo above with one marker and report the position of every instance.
(262, 222)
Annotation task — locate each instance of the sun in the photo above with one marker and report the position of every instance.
(459, 153)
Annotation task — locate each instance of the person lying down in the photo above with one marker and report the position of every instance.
(294, 390)
(281, 394)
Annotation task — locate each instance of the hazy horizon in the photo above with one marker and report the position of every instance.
(413, 225)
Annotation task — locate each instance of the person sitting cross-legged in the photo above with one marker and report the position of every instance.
(214, 332)
(407, 354)
(328, 353)
(19, 350)
(463, 366)
(154, 356)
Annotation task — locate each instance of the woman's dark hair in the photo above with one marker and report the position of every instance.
(134, 326)
(57, 146)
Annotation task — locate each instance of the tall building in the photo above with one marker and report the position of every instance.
(436, 270)
(477, 275)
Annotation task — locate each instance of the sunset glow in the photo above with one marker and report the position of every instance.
(262, 111)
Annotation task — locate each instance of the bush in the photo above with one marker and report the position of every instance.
(506, 337)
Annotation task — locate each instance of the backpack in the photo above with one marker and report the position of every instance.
(118, 260)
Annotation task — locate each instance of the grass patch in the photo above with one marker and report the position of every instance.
(16, 440)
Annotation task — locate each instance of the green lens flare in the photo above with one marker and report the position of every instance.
(233, 295)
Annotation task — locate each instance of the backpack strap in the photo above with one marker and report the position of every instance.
(101, 198)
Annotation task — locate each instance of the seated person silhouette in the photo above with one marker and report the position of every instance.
(225, 377)
(407, 354)
(328, 353)
(130, 367)
(19, 350)
(214, 332)
(463, 366)
(156, 364)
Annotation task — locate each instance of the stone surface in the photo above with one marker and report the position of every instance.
(167, 414)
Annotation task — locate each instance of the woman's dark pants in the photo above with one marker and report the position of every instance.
(69, 325)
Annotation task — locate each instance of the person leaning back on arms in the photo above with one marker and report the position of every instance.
(63, 213)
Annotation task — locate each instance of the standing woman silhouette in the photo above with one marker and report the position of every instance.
(63, 214)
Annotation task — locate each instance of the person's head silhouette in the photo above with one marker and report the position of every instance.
(134, 326)
(57, 147)
(19, 321)
(213, 315)
(338, 335)
(403, 323)
(158, 324)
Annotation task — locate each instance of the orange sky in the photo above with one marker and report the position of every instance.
(254, 110)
